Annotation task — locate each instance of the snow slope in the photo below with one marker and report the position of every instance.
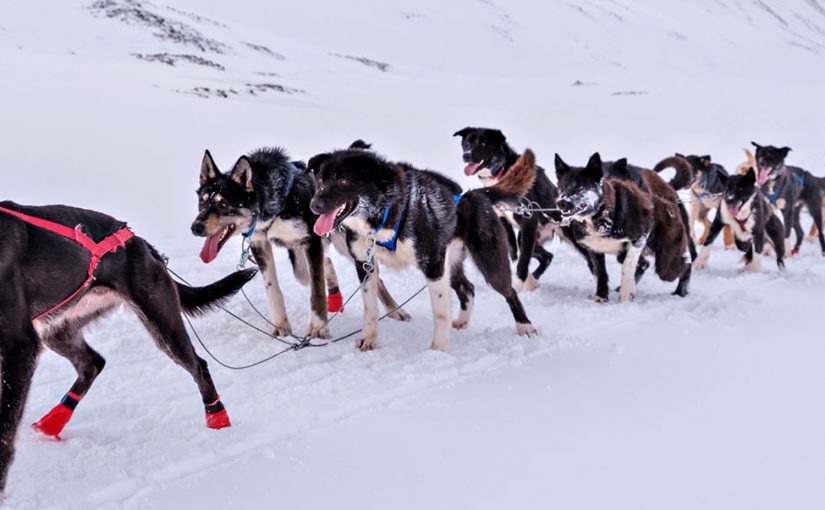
(706, 402)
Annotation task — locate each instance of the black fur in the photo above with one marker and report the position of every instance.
(485, 148)
(359, 188)
(608, 214)
(40, 268)
(789, 188)
(751, 227)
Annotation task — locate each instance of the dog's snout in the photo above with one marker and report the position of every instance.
(316, 205)
(564, 205)
(198, 228)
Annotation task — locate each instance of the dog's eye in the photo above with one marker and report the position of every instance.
(222, 204)
(343, 181)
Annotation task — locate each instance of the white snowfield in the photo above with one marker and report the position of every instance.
(713, 401)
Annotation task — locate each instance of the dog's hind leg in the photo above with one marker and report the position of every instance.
(497, 276)
(439, 287)
(797, 228)
(545, 258)
(512, 242)
(19, 346)
(69, 343)
(463, 288)
(529, 237)
(686, 223)
(774, 230)
(684, 281)
(157, 306)
(816, 214)
(262, 251)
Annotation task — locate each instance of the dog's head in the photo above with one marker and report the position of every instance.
(580, 188)
(350, 183)
(740, 190)
(703, 173)
(485, 151)
(770, 162)
(225, 204)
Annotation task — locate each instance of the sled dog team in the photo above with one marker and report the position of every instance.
(65, 267)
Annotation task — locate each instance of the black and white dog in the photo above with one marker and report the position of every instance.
(488, 156)
(266, 198)
(789, 188)
(608, 214)
(707, 185)
(42, 270)
(746, 210)
(411, 217)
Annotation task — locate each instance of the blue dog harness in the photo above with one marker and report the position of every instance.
(391, 243)
(290, 180)
(775, 195)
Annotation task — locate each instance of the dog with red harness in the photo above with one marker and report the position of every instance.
(62, 268)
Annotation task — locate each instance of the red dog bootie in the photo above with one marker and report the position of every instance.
(216, 417)
(335, 301)
(53, 422)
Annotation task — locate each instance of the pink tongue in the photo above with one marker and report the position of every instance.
(210, 247)
(325, 223)
(763, 177)
(734, 210)
(471, 168)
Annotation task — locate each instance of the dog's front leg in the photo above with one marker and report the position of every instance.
(369, 295)
(442, 313)
(631, 260)
(317, 301)
(262, 251)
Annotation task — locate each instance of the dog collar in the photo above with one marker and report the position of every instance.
(251, 229)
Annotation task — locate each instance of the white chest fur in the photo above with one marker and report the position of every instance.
(600, 243)
(743, 234)
(287, 232)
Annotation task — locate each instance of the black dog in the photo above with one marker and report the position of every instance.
(747, 211)
(789, 188)
(40, 268)
(489, 156)
(266, 198)
(707, 185)
(614, 215)
(405, 216)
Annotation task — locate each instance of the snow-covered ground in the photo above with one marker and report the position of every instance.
(712, 401)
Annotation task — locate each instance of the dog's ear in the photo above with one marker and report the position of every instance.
(594, 167)
(756, 145)
(750, 177)
(242, 174)
(498, 136)
(360, 144)
(785, 151)
(561, 167)
(705, 160)
(463, 132)
(208, 168)
(723, 178)
(620, 165)
(315, 162)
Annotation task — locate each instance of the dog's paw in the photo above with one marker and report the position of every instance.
(518, 284)
(366, 344)
(460, 324)
(729, 247)
(318, 332)
(531, 283)
(598, 299)
(811, 238)
(282, 329)
(526, 329)
(626, 296)
(440, 345)
(400, 315)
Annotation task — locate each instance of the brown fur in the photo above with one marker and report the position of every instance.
(668, 238)
(520, 177)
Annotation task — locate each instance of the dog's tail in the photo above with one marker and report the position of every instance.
(684, 172)
(199, 300)
(516, 182)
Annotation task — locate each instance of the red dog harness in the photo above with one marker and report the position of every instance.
(97, 250)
